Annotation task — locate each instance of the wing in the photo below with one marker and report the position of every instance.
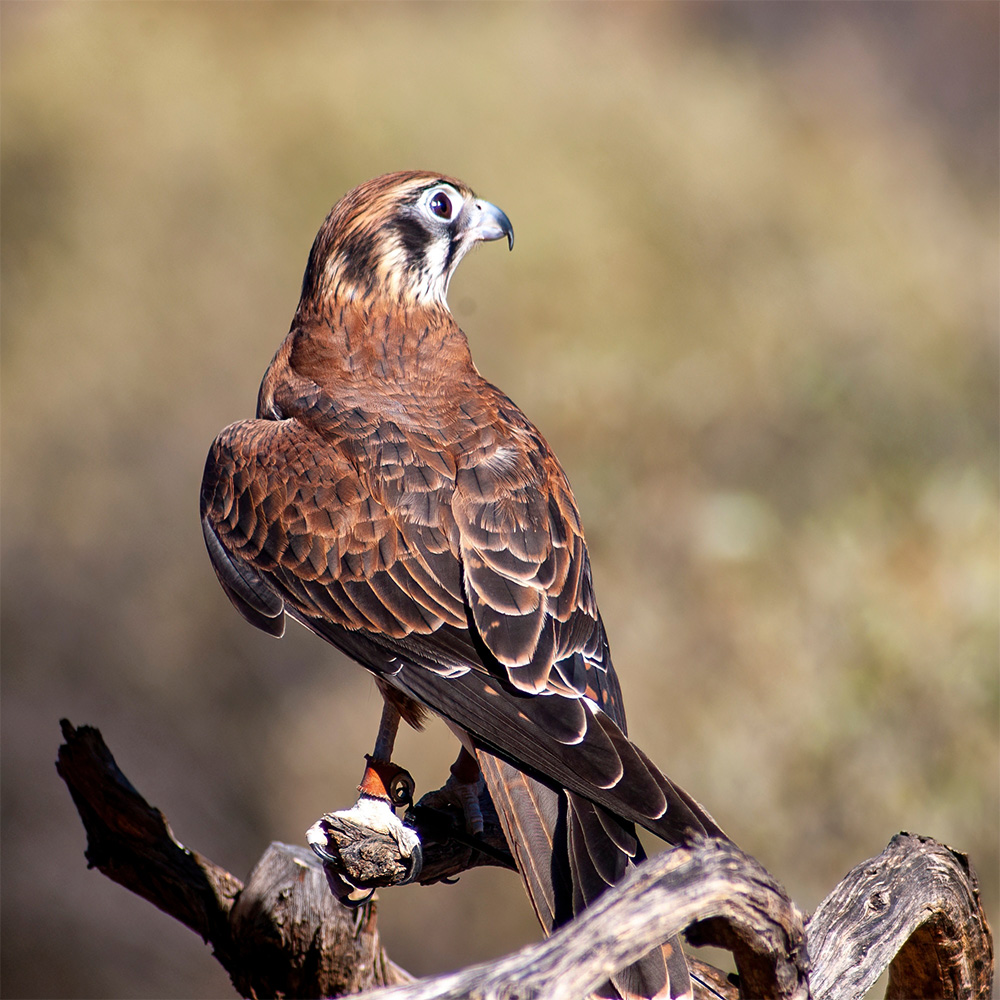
(291, 527)
(527, 573)
(468, 589)
(429, 581)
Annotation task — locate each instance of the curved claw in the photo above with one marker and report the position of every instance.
(342, 888)
(416, 864)
(353, 904)
(325, 856)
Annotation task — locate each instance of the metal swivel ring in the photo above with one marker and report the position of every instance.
(401, 788)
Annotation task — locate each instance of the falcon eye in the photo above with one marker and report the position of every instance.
(440, 205)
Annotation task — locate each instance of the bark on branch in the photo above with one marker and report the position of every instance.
(914, 909)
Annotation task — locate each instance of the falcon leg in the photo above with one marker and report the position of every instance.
(388, 726)
(384, 786)
(462, 789)
(383, 779)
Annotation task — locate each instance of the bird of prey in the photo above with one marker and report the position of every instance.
(401, 507)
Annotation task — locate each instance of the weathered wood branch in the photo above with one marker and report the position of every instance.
(711, 883)
(915, 908)
(280, 935)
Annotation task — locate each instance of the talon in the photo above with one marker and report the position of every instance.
(354, 904)
(464, 795)
(317, 840)
(416, 864)
(342, 888)
(325, 856)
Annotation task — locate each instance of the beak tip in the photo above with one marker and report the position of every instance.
(493, 223)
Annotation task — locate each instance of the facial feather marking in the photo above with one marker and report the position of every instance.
(386, 243)
(401, 236)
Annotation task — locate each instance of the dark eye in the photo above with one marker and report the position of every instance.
(441, 205)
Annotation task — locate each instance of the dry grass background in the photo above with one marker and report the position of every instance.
(753, 306)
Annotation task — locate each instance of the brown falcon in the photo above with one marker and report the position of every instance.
(400, 506)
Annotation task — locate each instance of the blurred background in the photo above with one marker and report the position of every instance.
(753, 307)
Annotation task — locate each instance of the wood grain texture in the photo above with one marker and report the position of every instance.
(914, 909)
(291, 938)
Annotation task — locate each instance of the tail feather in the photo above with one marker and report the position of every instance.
(568, 851)
(530, 815)
(600, 858)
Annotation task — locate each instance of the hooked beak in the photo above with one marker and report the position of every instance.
(484, 221)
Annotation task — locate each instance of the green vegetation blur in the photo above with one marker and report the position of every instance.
(752, 305)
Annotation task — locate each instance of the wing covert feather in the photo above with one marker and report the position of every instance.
(525, 566)
(401, 547)
(367, 581)
(290, 509)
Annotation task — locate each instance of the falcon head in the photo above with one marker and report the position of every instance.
(400, 235)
